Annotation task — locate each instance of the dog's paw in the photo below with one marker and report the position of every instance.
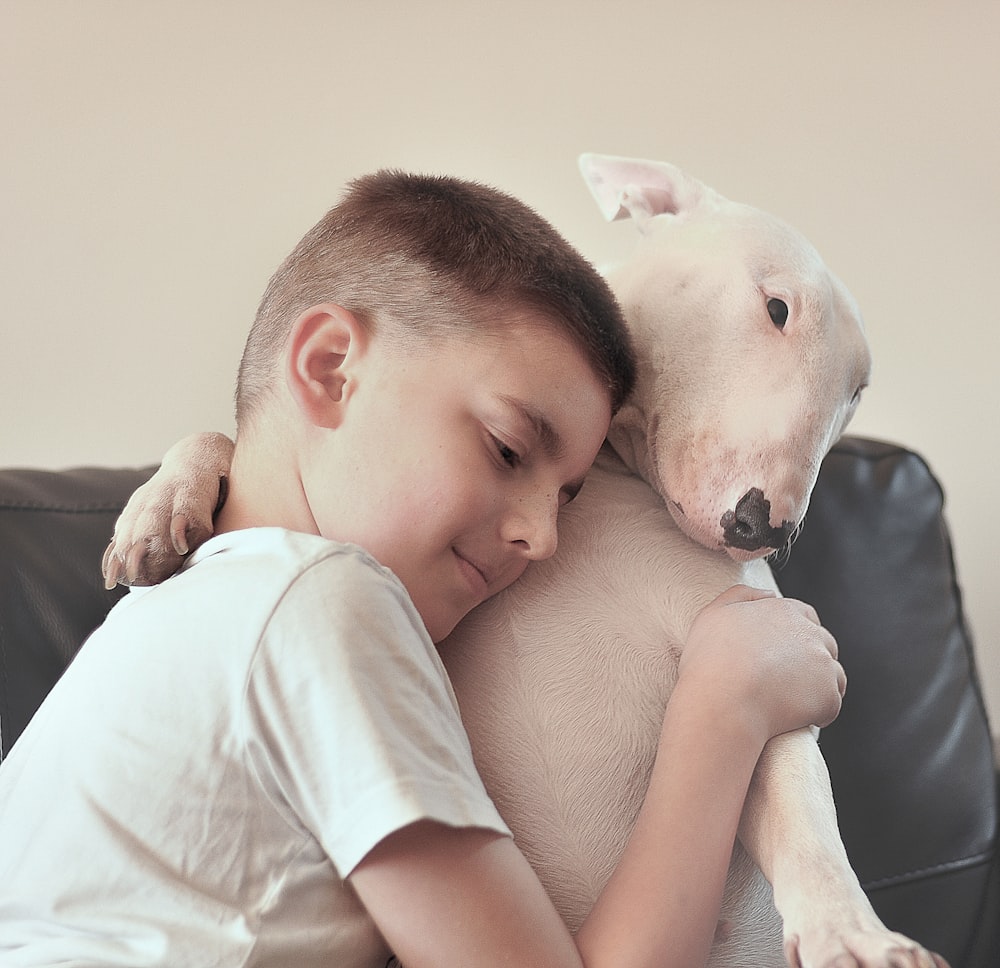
(136, 556)
(154, 535)
(871, 947)
(171, 514)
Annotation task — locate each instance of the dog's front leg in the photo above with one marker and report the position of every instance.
(789, 827)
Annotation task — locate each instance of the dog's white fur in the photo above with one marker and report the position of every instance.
(563, 678)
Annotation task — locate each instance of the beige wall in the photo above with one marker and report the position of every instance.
(158, 159)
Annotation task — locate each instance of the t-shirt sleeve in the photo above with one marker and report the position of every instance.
(354, 722)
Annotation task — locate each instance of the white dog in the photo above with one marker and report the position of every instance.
(752, 361)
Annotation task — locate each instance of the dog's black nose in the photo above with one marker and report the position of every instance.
(749, 526)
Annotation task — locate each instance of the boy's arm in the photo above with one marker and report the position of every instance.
(463, 896)
(171, 514)
(666, 894)
(468, 897)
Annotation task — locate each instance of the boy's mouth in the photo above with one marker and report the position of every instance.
(474, 574)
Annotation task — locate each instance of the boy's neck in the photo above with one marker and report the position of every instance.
(264, 491)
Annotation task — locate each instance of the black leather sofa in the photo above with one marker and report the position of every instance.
(913, 770)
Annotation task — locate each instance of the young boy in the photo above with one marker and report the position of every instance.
(272, 768)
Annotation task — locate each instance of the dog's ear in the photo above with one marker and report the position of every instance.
(638, 189)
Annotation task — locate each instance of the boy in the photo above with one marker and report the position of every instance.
(274, 770)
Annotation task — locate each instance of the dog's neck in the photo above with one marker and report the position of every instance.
(628, 437)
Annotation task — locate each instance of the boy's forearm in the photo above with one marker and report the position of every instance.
(661, 905)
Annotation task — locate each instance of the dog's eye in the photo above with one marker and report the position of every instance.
(777, 309)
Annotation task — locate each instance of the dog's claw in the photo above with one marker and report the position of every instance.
(111, 566)
(178, 534)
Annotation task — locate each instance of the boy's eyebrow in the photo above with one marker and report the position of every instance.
(550, 439)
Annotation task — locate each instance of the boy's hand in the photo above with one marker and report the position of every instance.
(171, 514)
(765, 659)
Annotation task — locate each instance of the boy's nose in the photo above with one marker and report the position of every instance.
(532, 525)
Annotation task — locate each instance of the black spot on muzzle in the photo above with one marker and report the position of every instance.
(749, 526)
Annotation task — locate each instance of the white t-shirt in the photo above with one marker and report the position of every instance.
(217, 759)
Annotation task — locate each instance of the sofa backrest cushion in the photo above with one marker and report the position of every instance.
(54, 526)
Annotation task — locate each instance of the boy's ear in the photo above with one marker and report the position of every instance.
(323, 346)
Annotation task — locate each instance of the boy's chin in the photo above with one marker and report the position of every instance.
(441, 625)
(441, 630)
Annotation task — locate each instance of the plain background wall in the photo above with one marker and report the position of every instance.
(158, 159)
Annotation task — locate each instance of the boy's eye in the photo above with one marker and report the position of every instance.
(507, 454)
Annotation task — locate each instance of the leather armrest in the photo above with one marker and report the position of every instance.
(910, 756)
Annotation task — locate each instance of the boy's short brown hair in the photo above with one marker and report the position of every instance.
(421, 256)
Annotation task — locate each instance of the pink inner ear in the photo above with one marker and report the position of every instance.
(633, 187)
(645, 201)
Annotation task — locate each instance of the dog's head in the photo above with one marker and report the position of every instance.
(752, 356)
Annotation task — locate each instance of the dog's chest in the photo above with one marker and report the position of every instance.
(563, 679)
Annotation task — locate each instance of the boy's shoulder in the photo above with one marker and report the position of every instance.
(279, 546)
(257, 564)
(244, 581)
(279, 556)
